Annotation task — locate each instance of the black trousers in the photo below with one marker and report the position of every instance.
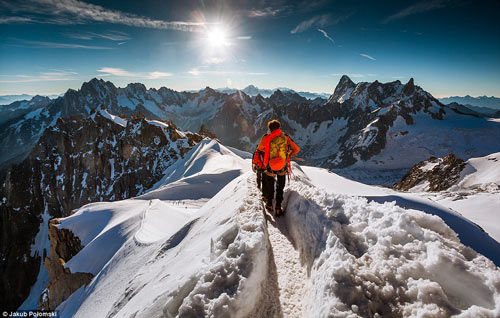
(268, 188)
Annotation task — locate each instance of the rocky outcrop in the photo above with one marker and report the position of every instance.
(63, 246)
(77, 161)
(433, 174)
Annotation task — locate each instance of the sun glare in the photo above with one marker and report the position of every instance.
(218, 37)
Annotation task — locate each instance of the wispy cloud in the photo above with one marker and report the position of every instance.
(112, 35)
(244, 37)
(7, 20)
(79, 12)
(368, 57)
(419, 7)
(326, 35)
(320, 21)
(53, 75)
(119, 72)
(265, 12)
(399, 77)
(56, 45)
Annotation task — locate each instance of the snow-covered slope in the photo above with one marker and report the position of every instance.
(170, 256)
(472, 188)
(356, 250)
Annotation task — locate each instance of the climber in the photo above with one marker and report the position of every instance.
(277, 149)
(258, 165)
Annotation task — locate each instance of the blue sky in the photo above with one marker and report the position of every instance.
(449, 47)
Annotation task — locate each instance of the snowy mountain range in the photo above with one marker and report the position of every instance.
(361, 125)
(9, 99)
(252, 90)
(481, 101)
(198, 243)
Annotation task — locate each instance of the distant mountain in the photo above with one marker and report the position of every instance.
(481, 101)
(9, 99)
(485, 111)
(252, 90)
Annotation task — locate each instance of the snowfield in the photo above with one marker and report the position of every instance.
(476, 194)
(200, 245)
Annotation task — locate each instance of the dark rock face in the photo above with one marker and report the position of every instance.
(63, 246)
(79, 160)
(444, 173)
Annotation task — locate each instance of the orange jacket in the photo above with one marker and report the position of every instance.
(293, 148)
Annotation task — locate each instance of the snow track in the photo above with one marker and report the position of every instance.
(292, 278)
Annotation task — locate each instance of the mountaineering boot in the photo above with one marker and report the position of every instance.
(279, 210)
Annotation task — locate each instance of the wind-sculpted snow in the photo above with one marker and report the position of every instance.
(208, 263)
(367, 259)
(161, 255)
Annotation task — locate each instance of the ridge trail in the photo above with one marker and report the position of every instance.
(292, 276)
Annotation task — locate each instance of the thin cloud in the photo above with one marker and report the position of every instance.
(320, 21)
(245, 37)
(119, 72)
(419, 7)
(265, 12)
(79, 12)
(156, 75)
(368, 57)
(8, 20)
(113, 36)
(326, 35)
(116, 71)
(55, 45)
(55, 75)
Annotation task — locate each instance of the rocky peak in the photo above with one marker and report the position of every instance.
(96, 87)
(409, 88)
(251, 90)
(136, 88)
(277, 97)
(280, 97)
(343, 88)
(207, 91)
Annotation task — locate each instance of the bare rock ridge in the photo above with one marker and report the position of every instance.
(438, 173)
(77, 161)
(63, 246)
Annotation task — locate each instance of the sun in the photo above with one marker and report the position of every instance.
(217, 37)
